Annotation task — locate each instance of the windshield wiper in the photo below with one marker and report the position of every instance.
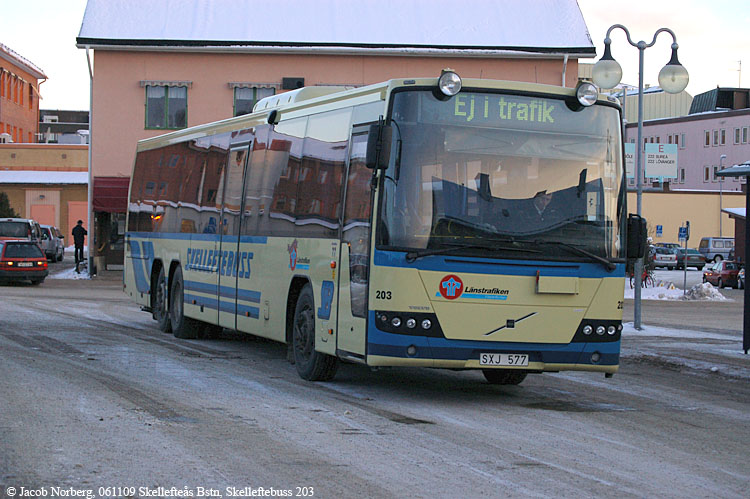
(608, 264)
(413, 255)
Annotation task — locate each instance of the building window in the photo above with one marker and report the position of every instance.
(707, 142)
(716, 137)
(166, 107)
(744, 134)
(706, 173)
(669, 139)
(658, 140)
(736, 135)
(682, 141)
(246, 97)
(681, 178)
(723, 136)
(715, 177)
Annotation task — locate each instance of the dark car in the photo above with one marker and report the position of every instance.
(723, 273)
(22, 261)
(694, 258)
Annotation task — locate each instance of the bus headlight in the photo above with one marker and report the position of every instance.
(396, 322)
(587, 330)
(600, 330)
(449, 83)
(586, 93)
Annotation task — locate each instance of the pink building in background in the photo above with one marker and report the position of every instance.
(168, 65)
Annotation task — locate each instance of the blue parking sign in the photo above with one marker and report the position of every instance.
(659, 231)
(683, 233)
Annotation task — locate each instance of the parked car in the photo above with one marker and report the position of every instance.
(722, 273)
(741, 278)
(22, 261)
(20, 228)
(60, 241)
(667, 245)
(665, 257)
(52, 243)
(694, 259)
(716, 248)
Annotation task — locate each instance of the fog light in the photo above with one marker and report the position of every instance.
(587, 330)
(384, 318)
(449, 83)
(411, 351)
(395, 322)
(600, 330)
(426, 324)
(586, 93)
(611, 330)
(411, 323)
(595, 357)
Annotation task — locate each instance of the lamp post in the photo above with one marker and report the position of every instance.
(673, 78)
(721, 189)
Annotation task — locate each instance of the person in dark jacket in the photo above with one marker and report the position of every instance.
(78, 234)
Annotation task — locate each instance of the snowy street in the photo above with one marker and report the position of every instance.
(93, 395)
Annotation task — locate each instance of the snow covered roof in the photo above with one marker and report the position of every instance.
(406, 26)
(735, 212)
(43, 177)
(15, 58)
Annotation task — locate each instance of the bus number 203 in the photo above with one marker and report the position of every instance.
(382, 295)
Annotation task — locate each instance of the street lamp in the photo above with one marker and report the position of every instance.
(673, 78)
(721, 184)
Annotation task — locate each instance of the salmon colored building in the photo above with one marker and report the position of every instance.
(156, 68)
(19, 97)
(46, 182)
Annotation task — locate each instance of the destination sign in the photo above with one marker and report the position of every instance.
(506, 111)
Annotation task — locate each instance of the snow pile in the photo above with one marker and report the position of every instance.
(704, 292)
(668, 291)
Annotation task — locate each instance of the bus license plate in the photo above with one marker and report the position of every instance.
(503, 359)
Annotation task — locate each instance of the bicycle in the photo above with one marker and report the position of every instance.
(647, 278)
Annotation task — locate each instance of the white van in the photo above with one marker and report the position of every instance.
(716, 248)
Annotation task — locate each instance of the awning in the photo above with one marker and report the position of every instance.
(111, 194)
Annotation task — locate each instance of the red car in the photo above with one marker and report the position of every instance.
(722, 273)
(22, 261)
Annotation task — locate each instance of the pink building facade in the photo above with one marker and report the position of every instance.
(158, 69)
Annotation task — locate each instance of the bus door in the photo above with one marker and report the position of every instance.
(229, 240)
(355, 248)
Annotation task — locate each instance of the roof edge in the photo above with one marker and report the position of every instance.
(82, 42)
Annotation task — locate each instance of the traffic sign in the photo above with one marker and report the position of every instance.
(683, 233)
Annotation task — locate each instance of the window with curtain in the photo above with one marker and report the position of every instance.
(246, 97)
(166, 107)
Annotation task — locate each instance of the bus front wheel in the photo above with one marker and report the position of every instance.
(504, 376)
(311, 365)
(182, 327)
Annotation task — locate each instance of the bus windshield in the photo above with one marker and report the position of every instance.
(506, 175)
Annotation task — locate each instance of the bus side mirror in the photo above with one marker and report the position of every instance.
(636, 236)
(378, 146)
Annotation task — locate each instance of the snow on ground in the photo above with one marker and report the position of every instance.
(668, 291)
(69, 274)
(717, 353)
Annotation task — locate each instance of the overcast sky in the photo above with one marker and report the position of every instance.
(712, 37)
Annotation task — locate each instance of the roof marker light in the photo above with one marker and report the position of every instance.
(449, 83)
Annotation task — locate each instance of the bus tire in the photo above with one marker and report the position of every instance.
(504, 376)
(311, 365)
(161, 295)
(182, 327)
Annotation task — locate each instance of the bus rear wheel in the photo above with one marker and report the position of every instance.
(311, 365)
(160, 313)
(182, 327)
(504, 376)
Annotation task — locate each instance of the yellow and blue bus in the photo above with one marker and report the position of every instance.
(433, 222)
